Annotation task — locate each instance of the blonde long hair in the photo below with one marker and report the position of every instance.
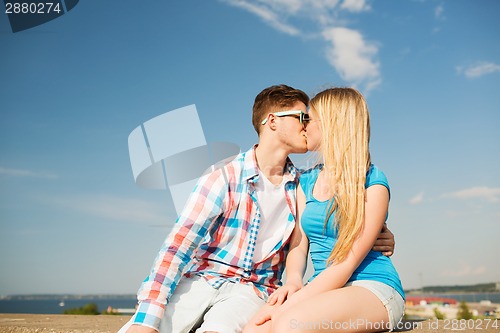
(345, 124)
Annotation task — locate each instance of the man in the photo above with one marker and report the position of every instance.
(226, 252)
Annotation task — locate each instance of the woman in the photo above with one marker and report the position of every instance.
(342, 205)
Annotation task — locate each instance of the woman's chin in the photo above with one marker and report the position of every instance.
(312, 148)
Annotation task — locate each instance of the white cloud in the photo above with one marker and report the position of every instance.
(347, 51)
(465, 269)
(118, 209)
(352, 56)
(438, 11)
(26, 173)
(487, 193)
(417, 199)
(478, 69)
(355, 5)
(289, 6)
(267, 14)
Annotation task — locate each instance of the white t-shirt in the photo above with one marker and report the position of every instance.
(273, 217)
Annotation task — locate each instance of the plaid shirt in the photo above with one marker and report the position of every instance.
(215, 237)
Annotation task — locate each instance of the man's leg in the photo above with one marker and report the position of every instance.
(186, 308)
(188, 304)
(235, 304)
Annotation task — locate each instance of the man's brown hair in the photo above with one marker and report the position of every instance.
(274, 99)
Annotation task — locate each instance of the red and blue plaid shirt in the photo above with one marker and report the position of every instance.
(215, 237)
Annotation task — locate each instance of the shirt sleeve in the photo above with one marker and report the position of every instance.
(203, 206)
(308, 179)
(376, 177)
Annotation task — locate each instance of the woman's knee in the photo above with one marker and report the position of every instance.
(249, 329)
(286, 323)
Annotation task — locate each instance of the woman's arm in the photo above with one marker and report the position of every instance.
(336, 275)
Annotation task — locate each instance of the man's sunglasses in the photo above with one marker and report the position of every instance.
(301, 115)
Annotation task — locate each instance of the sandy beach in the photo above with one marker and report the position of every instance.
(36, 323)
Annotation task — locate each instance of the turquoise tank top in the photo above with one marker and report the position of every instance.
(375, 266)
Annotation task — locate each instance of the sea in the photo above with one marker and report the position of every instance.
(57, 304)
(466, 297)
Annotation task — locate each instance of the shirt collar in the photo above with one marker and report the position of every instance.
(251, 169)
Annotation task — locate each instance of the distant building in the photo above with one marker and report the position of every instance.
(414, 301)
(425, 307)
(497, 286)
(485, 308)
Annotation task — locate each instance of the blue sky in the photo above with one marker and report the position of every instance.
(72, 220)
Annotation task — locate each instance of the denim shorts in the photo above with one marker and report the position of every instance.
(392, 300)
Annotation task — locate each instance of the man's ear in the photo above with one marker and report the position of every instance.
(271, 121)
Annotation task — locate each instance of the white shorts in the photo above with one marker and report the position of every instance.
(392, 300)
(197, 306)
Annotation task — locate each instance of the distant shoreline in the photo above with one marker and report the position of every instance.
(425, 292)
(66, 296)
(491, 287)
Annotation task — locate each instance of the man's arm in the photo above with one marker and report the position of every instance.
(204, 205)
(385, 242)
(141, 329)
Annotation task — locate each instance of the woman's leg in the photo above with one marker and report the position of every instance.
(348, 309)
(251, 327)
